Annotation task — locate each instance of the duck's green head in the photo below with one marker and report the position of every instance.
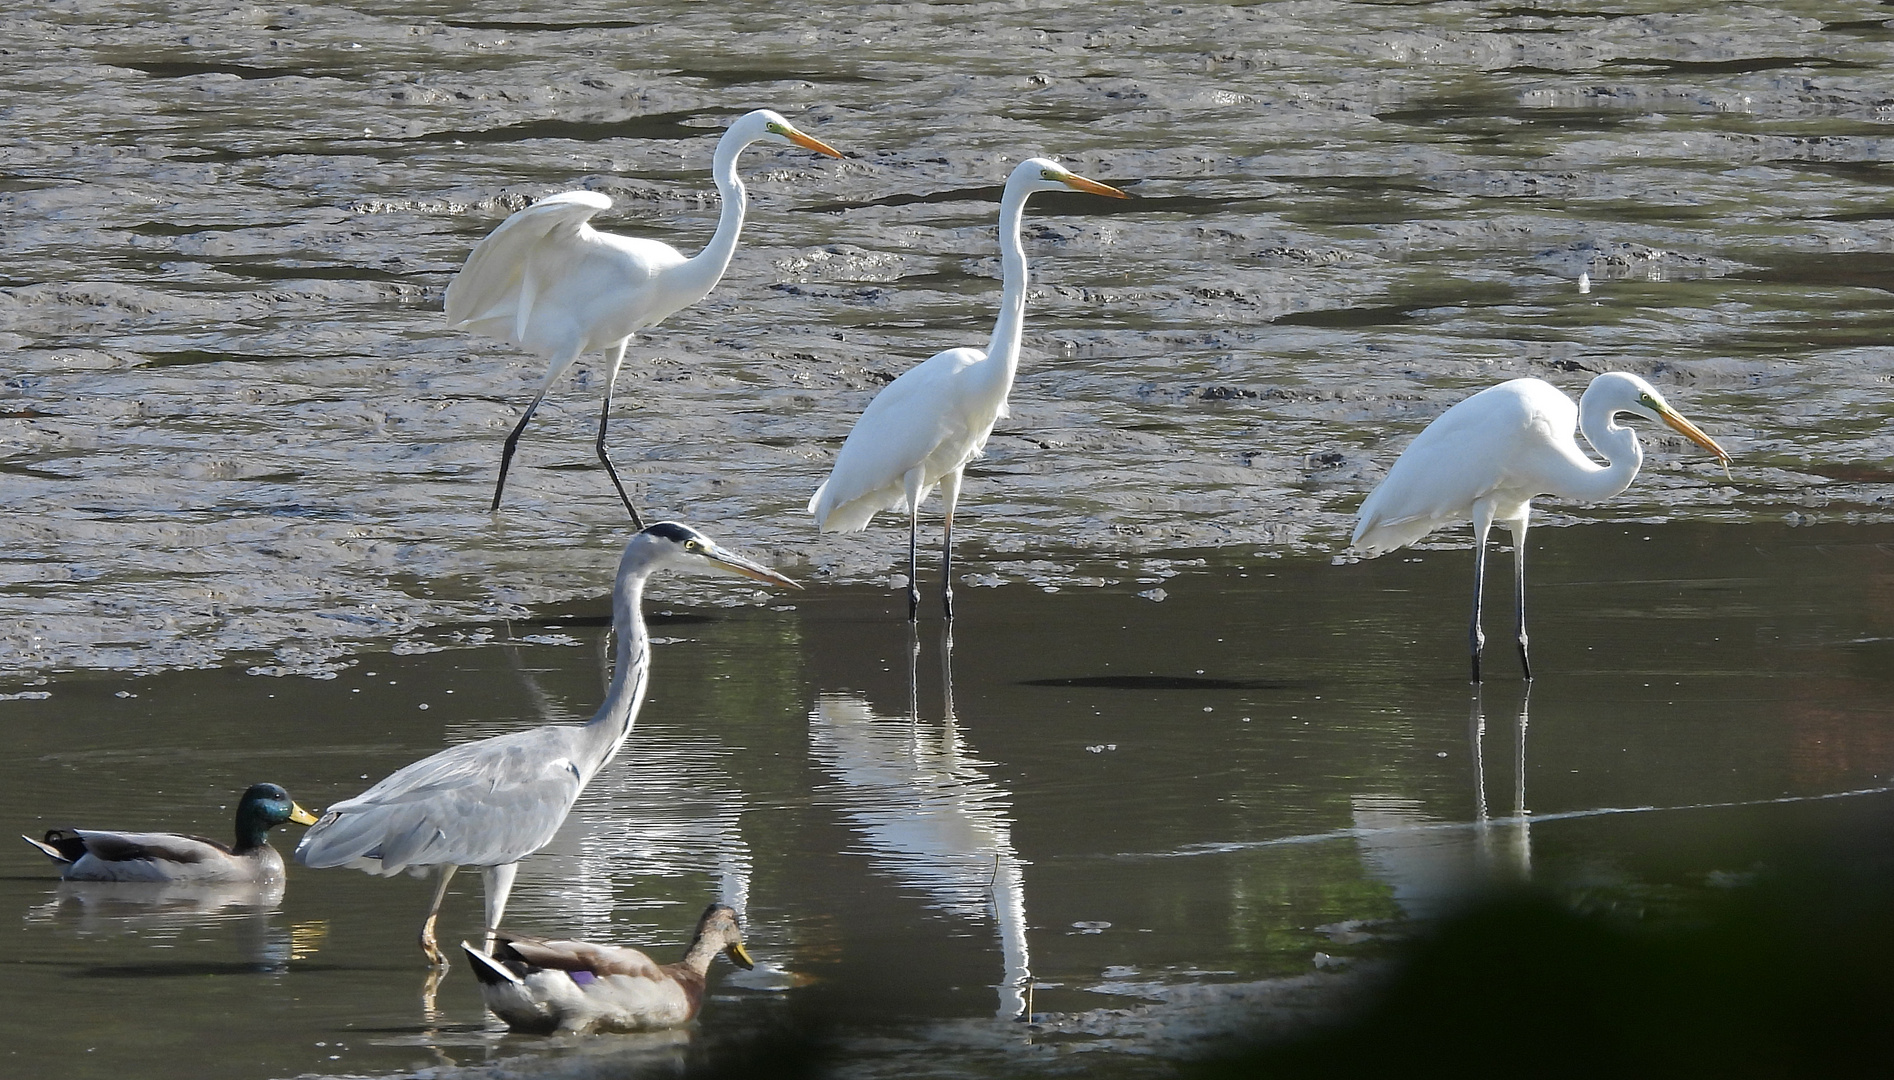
(261, 809)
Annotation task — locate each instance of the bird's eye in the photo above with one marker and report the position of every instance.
(776, 128)
(1052, 174)
(693, 546)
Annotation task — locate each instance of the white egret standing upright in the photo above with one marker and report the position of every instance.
(549, 283)
(492, 802)
(1485, 458)
(926, 425)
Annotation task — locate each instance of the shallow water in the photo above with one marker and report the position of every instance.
(1174, 819)
(239, 443)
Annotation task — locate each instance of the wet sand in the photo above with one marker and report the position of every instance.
(238, 431)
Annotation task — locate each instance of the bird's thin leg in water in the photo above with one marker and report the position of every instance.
(1476, 638)
(604, 417)
(914, 585)
(499, 882)
(949, 496)
(1519, 594)
(428, 944)
(512, 444)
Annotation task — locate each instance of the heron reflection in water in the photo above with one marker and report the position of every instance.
(929, 814)
(1432, 865)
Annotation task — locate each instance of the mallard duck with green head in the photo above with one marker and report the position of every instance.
(97, 855)
(577, 987)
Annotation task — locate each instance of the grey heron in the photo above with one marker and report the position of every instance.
(492, 802)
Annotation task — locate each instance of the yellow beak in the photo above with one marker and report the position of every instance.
(736, 564)
(739, 955)
(1079, 183)
(1694, 434)
(300, 816)
(810, 143)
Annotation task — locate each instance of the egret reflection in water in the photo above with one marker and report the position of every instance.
(1431, 864)
(929, 814)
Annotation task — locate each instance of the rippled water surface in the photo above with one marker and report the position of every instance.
(245, 467)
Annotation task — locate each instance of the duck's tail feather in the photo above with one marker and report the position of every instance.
(489, 970)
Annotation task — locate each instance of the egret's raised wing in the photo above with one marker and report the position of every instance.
(920, 418)
(485, 295)
(166, 847)
(483, 803)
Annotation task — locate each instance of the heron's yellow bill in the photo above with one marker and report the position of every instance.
(739, 955)
(1694, 434)
(736, 564)
(300, 816)
(809, 142)
(1080, 183)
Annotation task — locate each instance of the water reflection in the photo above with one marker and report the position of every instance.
(168, 910)
(666, 807)
(929, 813)
(1432, 864)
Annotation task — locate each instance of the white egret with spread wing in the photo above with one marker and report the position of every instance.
(492, 802)
(925, 426)
(1484, 459)
(549, 283)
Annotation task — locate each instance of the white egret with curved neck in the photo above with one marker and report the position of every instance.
(549, 283)
(1484, 459)
(492, 802)
(925, 426)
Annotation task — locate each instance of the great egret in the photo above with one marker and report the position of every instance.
(926, 425)
(549, 283)
(1485, 459)
(492, 802)
(96, 855)
(579, 988)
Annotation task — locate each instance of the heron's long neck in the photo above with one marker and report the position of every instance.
(701, 272)
(631, 664)
(1618, 443)
(1004, 349)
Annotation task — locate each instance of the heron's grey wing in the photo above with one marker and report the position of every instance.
(485, 295)
(165, 847)
(482, 803)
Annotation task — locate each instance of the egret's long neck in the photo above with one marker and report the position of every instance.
(631, 664)
(701, 272)
(1004, 349)
(1618, 443)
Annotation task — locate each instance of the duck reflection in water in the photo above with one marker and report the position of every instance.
(1433, 865)
(162, 912)
(929, 813)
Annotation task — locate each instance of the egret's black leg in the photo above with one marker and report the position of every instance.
(914, 581)
(949, 498)
(603, 417)
(1519, 594)
(947, 569)
(1476, 638)
(512, 444)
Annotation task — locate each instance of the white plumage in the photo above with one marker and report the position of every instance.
(1487, 457)
(923, 428)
